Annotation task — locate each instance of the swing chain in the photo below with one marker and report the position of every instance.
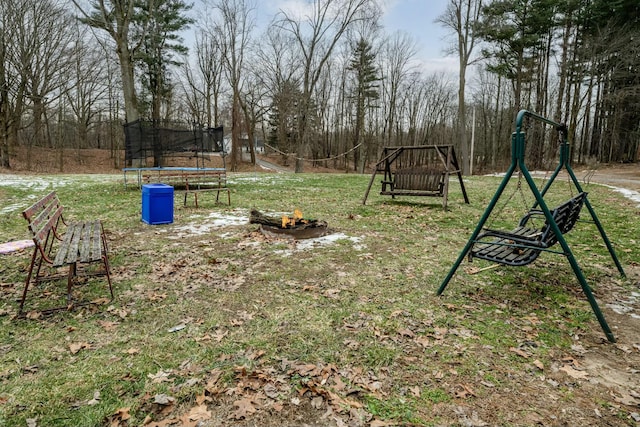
(518, 189)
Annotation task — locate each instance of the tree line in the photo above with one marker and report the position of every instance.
(322, 85)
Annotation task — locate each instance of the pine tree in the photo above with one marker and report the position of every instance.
(283, 118)
(158, 23)
(365, 91)
(516, 32)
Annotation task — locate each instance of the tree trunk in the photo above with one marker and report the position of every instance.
(236, 149)
(128, 82)
(462, 121)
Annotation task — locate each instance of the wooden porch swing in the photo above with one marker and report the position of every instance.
(522, 245)
(421, 170)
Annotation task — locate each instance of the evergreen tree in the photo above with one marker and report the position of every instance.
(365, 91)
(158, 23)
(516, 32)
(283, 118)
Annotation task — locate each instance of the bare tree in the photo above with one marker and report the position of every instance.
(115, 18)
(85, 85)
(460, 17)
(50, 30)
(277, 63)
(206, 80)
(233, 31)
(34, 36)
(316, 34)
(12, 81)
(254, 105)
(396, 56)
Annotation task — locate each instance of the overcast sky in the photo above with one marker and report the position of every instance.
(415, 17)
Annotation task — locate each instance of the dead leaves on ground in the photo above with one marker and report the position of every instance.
(338, 392)
(573, 368)
(75, 347)
(320, 386)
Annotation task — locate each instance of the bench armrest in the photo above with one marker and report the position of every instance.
(521, 235)
(529, 215)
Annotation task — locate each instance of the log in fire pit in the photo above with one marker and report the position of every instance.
(294, 227)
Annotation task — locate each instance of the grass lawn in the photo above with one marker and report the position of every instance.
(215, 324)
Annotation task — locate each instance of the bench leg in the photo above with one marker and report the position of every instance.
(37, 275)
(105, 259)
(70, 277)
(28, 281)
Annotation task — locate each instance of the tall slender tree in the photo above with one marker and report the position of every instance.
(115, 17)
(614, 27)
(234, 33)
(13, 83)
(398, 51)
(366, 79)
(158, 24)
(461, 17)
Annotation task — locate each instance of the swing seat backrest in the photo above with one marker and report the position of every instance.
(566, 215)
(418, 179)
(522, 245)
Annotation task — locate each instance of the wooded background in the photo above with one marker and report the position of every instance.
(329, 87)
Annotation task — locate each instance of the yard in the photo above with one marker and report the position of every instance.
(215, 324)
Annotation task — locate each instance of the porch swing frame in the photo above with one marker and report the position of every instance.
(540, 207)
(428, 180)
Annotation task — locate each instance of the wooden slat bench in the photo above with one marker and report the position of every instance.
(192, 181)
(60, 244)
(208, 181)
(522, 245)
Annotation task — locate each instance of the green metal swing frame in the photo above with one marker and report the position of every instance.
(517, 162)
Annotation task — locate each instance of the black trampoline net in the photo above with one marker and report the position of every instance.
(148, 141)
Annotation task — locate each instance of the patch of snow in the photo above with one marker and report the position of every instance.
(203, 225)
(307, 244)
(265, 180)
(46, 182)
(627, 306)
(632, 195)
(12, 208)
(620, 308)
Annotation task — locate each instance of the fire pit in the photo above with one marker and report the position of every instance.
(294, 227)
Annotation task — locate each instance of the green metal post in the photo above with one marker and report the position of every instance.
(596, 221)
(569, 254)
(485, 216)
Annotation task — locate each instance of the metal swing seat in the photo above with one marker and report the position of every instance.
(523, 244)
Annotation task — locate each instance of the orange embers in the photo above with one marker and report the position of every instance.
(292, 221)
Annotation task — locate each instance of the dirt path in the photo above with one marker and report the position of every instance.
(622, 176)
(617, 367)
